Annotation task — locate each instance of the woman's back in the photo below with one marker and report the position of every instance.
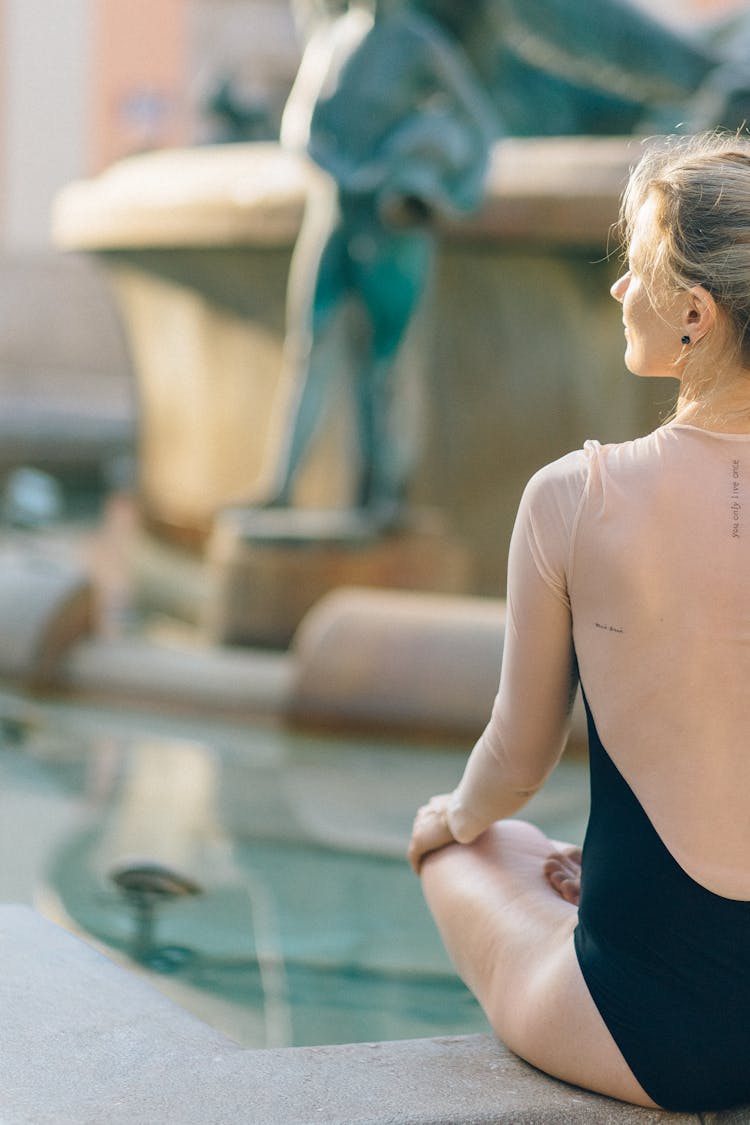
(659, 584)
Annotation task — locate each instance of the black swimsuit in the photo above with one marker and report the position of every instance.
(666, 961)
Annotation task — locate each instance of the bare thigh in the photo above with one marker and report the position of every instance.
(510, 937)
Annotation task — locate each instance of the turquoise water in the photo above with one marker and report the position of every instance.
(309, 926)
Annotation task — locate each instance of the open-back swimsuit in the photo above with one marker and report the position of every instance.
(666, 961)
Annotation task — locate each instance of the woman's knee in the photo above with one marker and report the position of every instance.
(506, 841)
(498, 916)
(504, 846)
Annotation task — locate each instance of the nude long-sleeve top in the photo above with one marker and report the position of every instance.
(629, 566)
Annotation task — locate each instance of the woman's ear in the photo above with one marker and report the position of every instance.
(700, 313)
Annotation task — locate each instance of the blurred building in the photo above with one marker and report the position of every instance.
(86, 82)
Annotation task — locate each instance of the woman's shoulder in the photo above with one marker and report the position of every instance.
(641, 456)
(570, 469)
(554, 493)
(566, 481)
(568, 475)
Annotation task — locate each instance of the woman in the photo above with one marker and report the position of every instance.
(627, 971)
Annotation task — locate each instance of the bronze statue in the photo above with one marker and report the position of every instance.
(399, 101)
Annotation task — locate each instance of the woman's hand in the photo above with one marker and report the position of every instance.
(430, 830)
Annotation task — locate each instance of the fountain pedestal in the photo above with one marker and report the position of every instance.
(270, 567)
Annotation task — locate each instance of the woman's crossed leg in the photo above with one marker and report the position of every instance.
(509, 933)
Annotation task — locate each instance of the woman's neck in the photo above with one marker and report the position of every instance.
(725, 407)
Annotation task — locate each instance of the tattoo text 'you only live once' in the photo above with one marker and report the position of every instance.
(735, 505)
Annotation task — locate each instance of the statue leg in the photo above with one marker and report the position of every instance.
(390, 286)
(318, 286)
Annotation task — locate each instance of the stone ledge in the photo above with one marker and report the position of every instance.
(466, 1080)
(402, 660)
(398, 659)
(46, 603)
(253, 195)
(86, 1042)
(552, 191)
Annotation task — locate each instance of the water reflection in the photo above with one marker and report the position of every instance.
(309, 927)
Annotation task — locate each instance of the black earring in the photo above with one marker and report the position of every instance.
(686, 339)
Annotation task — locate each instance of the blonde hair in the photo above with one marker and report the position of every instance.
(701, 185)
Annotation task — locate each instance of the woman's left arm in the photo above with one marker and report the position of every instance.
(530, 718)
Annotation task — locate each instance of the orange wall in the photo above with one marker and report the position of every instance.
(139, 77)
(680, 13)
(720, 7)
